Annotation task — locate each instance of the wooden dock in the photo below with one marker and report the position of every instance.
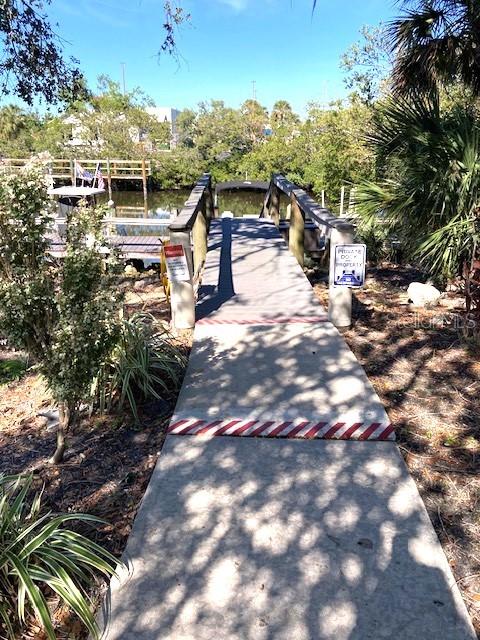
(112, 169)
(137, 247)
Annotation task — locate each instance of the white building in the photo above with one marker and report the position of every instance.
(79, 133)
(166, 114)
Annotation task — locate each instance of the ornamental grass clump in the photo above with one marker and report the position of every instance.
(43, 563)
(144, 364)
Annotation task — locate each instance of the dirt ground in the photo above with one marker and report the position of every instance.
(427, 373)
(424, 369)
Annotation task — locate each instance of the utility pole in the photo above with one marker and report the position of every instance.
(254, 86)
(123, 77)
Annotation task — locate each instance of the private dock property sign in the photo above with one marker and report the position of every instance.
(349, 268)
(177, 267)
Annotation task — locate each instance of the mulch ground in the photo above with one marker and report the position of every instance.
(426, 370)
(109, 460)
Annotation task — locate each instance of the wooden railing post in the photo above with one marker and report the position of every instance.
(209, 205)
(193, 221)
(144, 179)
(339, 298)
(182, 296)
(296, 233)
(274, 210)
(109, 179)
(200, 237)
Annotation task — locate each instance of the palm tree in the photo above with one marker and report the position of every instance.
(436, 42)
(429, 189)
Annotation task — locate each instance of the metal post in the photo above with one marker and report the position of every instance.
(296, 233)
(323, 198)
(339, 298)
(182, 296)
(342, 200)
(274, 211)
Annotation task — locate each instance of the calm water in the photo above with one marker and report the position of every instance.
(130, 204)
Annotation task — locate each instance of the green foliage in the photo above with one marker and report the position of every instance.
(431, 196)
(40, 557)
(283, 116)
(368, 64)
(325, 152)
(64, 315)
(87, 306)
(11, 370)
(23, 133)
(436, 42)
(334, 142)
(118, 124)
(144, 364)
(32, 62)
(178, 168)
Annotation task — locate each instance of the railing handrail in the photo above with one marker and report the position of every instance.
(125, 222)
(65, 163)
(187, 216)
(321, 216)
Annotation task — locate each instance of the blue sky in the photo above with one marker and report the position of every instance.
(229, 44)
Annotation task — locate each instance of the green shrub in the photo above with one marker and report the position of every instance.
(144, 364)
(41, 558)
(11, 370)
(63, 314)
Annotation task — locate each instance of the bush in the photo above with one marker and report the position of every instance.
(64, 315)
(145, 364)
(40, 558)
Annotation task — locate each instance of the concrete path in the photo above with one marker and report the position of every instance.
(288, 374)
(249, 539)
(300, 538)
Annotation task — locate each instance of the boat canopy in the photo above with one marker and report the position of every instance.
(75, 192)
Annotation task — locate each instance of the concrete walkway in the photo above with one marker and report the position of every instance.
(300, 538)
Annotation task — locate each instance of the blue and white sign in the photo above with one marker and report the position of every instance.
(349, 268)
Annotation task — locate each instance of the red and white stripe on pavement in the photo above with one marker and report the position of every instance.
(279, 320)
(290, 429)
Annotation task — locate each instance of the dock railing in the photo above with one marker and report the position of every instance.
(190, 228)
(112, 169)
(337, 231)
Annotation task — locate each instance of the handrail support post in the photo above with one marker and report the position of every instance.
(296, 232)
(339, 298)
(274, 210)
(182, 297)
(200, 237)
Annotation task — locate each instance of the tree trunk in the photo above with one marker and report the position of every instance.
(64, 415)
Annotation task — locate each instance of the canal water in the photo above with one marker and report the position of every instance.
(160, 204)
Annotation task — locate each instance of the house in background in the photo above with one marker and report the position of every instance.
(166, 114)
(79, 136)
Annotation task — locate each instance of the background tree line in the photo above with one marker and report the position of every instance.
(322, 151)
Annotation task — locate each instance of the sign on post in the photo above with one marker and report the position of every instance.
(349, 268)
(177, 267)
